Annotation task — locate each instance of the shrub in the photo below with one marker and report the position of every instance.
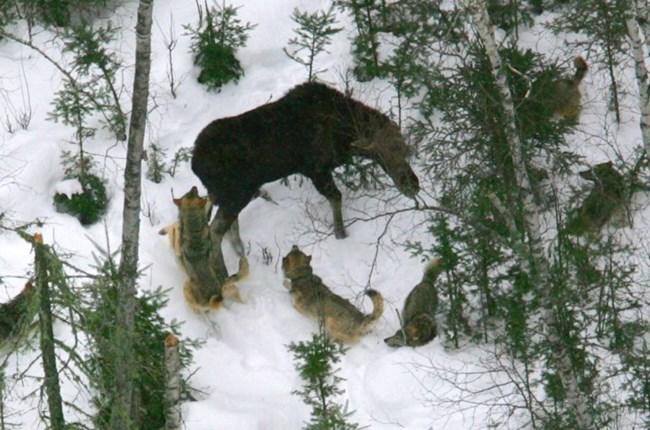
(87, 206)
(214, 45)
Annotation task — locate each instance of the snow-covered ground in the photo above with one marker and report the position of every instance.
(244, 370)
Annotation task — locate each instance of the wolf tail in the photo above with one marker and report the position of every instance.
(432, 270)
(378, 307)
(581, 70)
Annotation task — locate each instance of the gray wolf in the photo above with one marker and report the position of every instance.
(605, 201)
(418, 317)
(566, 96)
(311, 297)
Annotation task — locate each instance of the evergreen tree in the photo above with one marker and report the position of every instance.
(215, 42)
(315, 361)
(368, 17)
(312, 37)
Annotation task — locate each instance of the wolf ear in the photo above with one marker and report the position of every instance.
(178, 202)
(309, 259)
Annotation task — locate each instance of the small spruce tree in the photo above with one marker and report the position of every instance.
(90, 88)
(315, 361)
(214, 45)
(312, 37)
(156, 167)
(150, 332)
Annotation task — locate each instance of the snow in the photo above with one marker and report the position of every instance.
(243, 369)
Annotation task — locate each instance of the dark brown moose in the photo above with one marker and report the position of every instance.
(311, 130)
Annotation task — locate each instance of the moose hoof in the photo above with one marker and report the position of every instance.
(340, 234)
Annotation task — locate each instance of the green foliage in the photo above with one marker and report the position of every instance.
(150, 332)
(368, 17)
(510, 15)
(451, 288)
(49, 11)
(315, 361)
(90, 88)
(183, 155)
(61, 13)
(312, 37)
(603, 21)
(87, 206)
(7, 14)
(361, 174)
(155, 164)
(214, 45)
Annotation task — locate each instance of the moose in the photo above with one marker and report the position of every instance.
(311, 130)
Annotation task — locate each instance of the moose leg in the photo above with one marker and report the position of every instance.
(326, 186)
(235, 239)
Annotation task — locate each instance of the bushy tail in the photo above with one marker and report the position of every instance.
(581, 69)
(378, 306)
(432, 270)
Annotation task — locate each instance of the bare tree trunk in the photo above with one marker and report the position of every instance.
(575, 398)
(122, 343)
(173, 384)
(52, 385)
(634, 31)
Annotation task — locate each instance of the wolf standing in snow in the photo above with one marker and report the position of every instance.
(566, 96)
(342, 321)
(419, 313)
(605, 201)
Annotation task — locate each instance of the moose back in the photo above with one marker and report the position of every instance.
(311, 130)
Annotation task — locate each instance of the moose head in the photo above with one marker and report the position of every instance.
(387, 147)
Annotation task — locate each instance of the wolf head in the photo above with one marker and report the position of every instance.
(296, 263)
(604, 173)
(417, 332)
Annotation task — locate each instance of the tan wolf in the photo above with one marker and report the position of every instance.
(190, 239)
(342, 321)
(566, 96)
(418, 317)
(605, 201)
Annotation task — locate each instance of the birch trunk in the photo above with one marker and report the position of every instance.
(173, 384)
(643, 18)
(575, 399)
(122, 413)
(634, 31)
(52, 385)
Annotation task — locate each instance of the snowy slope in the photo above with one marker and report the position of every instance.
(244, 369)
